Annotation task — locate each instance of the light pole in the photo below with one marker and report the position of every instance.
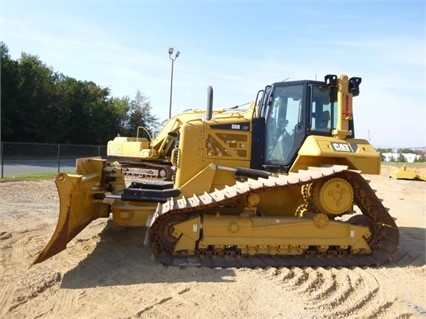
(171, 78)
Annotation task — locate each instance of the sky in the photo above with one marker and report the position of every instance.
(237, 47)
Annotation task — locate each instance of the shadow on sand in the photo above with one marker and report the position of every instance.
(120, 258)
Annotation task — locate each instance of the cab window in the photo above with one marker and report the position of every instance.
(323, 110)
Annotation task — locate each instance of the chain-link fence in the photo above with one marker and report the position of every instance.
(33, 158)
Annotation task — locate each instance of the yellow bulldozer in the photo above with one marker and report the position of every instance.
(148, 158)
(142, 157)
(278, 183)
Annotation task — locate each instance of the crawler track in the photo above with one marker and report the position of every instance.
(384, 244)
(147, 170)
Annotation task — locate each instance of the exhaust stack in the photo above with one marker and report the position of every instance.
(209, 103)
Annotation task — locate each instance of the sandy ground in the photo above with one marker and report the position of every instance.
(106, 272)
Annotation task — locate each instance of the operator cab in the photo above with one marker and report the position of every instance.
(292, 111)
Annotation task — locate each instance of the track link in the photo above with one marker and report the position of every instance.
(383, 246)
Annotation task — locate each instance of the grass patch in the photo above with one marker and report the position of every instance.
(32, 177)
(408, 165)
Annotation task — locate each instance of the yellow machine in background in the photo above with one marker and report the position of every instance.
(139, 158)
(277, 184)
(409, 174)
(150, 158)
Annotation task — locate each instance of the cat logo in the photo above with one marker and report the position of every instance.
(341, 147)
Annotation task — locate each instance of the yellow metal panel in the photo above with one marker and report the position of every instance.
(280, 203)
(129, 147)
(200, 183)
(132, 214)
(188, 233)
(190, 160)
(196, 152)
(277, 232)
(323, 150)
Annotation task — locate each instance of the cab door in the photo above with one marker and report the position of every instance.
(285, 115)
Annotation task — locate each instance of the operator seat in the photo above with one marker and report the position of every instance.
(323, 119)
(283, 147)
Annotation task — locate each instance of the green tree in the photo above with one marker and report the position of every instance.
(384, 150)
(139, 114)
(96, 111)
(407, 151)
(119, 108)
(422, 157)
(401, 157)
(41, 105)
(88, 113)
(9, 93)
(35, 87)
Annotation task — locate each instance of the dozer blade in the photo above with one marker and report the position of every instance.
(77, 209)
(409, 175)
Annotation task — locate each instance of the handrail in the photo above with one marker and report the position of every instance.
(146, 131)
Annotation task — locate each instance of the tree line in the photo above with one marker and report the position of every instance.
(40, 105)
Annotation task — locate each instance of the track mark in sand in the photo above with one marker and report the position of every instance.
(8, 291)
(66, 299)
(19, 245)
(148, 308)
(18, 248)
(183, 291)
(166, 305)
(418, 309)
(5, 247)
(5, 235)
(340, 293)
(37, 284)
